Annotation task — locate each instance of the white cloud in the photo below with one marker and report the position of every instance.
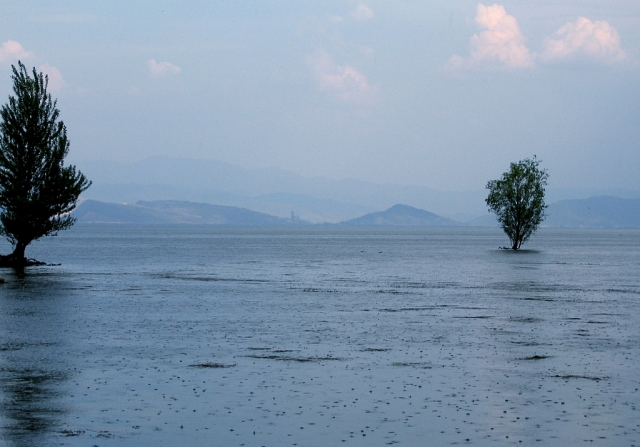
(500, 45)
(56, 82)
(161, 68)
(362, 12)
(584, 38)
(11, 51)
(346, 82)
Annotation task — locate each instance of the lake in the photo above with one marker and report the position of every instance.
(322, 336)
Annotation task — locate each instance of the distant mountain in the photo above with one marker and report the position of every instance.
(172, 212)
(272, 191)
(486, 220)
(405, 216)
(595, 212)
(279, 192)
(307, 207)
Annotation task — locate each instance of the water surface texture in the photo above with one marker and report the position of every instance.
(322, 336)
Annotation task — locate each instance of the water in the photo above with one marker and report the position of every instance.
(322, 336)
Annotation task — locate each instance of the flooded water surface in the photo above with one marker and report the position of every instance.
(322, 336)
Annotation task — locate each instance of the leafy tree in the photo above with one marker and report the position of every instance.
(518, 200)
(37, 192)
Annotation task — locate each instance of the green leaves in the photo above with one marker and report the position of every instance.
(517, 199)
(36, 190)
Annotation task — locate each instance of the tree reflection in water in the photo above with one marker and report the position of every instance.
(33, 370)
(30, 405)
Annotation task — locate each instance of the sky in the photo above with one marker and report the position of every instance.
(443, 94)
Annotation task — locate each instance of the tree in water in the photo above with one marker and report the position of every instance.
(37, 192)
(518, 200)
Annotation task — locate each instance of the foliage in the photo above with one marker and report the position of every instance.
(518, 200)
(37, 192)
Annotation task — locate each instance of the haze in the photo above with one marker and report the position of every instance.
(439, 94)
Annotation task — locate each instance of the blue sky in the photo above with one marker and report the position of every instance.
(442, 94)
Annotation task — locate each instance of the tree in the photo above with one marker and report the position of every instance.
(37, 192)
(518, 200)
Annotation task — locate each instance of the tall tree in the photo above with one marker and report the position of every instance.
(37, 192)
(518, 200)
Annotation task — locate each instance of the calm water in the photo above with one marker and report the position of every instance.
(163, 336)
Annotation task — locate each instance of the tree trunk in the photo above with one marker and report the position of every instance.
(18, 252)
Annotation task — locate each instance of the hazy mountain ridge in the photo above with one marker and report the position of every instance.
(171, 212)
(595, 212)
(403, 216)
(271, 191)
(279, 192)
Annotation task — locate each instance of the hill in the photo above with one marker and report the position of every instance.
(273, 191)
(171, 212)
(405, 216)
(595, 212)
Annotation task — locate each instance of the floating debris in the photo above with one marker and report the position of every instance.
(536, 357)
(212, 365)
(525, 319)
(413, 364)
(72, 432)
(286, 358)
(577, 376)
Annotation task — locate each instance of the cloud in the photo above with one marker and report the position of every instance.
(584, 38)
(500, 45)
(362, 12)
(56, 82)
(158, 69)
(11, 51)
(346, 82)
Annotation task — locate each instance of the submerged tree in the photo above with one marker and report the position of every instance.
(518, 200)
(37, 192)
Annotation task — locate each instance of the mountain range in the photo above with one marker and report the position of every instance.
(272, 191)
(165, 212)
(595, 212)
(279, 192)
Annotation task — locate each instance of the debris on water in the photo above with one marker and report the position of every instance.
(287, 358)
(212, 365)
(104, 434)
(407, 309)
(422, 365)
(578, 376)
(72, 432)
(525, 319)
(536, 357)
